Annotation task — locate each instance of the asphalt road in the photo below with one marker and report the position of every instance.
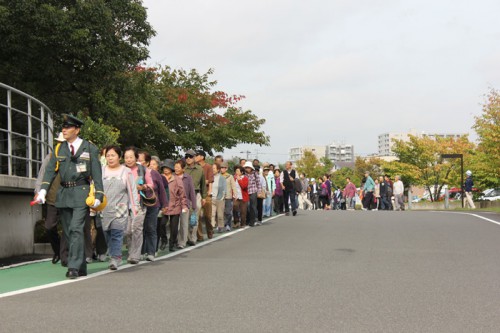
(316, 272)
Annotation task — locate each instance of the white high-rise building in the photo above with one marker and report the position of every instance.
(340, 152)
(386, 140)
(296, 153)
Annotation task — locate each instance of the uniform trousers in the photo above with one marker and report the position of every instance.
(73, 222)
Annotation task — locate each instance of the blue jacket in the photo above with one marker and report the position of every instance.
(369, 184)
(469, 184)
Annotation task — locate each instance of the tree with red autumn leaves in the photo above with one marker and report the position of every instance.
(166, 110)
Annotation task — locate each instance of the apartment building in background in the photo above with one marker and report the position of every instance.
(340, 152)
(296, 153)
(386, 140)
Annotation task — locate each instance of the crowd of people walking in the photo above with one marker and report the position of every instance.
(150, 204)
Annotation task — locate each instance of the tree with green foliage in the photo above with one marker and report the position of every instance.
(68, 53)
(326, 166)
(486, 159)
(85, 56)
(408, 172)
(98, 132)
(339, 177)
(308, 164)
(312, 167)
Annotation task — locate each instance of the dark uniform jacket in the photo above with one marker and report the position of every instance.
(77, 169)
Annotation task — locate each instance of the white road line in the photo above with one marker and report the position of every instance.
(25, 263)
(107, 271)
(471, 214)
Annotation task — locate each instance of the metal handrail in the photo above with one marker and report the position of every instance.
(42, 144)
(19, 92)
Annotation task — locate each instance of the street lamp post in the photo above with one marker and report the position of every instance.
(461, 157)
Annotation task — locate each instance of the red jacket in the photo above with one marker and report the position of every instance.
(244, 188)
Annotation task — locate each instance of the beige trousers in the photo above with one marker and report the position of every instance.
(218, 213)
(182, 236)
(468, 200)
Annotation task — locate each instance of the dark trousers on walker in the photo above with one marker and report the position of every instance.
(58, 244)
(174, 230)
(292, 196)
(73, 222)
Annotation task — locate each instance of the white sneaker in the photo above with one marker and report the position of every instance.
(101, 257)
(88, 260)
(113, 265)
(150, 257)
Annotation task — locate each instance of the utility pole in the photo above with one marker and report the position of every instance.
(246, 152)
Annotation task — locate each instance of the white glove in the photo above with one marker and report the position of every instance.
(97, 202)
(41, 196)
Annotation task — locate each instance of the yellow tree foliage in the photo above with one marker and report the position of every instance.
(420, 161)
(486, 159)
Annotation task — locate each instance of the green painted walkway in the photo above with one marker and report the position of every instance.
(42, 273)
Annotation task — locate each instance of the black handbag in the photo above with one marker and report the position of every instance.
(150, 200)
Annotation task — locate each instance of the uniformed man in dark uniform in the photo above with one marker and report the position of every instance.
(78, 164)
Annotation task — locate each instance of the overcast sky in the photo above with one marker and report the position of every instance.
(326, 71)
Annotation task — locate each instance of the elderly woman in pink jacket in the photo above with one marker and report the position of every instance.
(177, 202)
